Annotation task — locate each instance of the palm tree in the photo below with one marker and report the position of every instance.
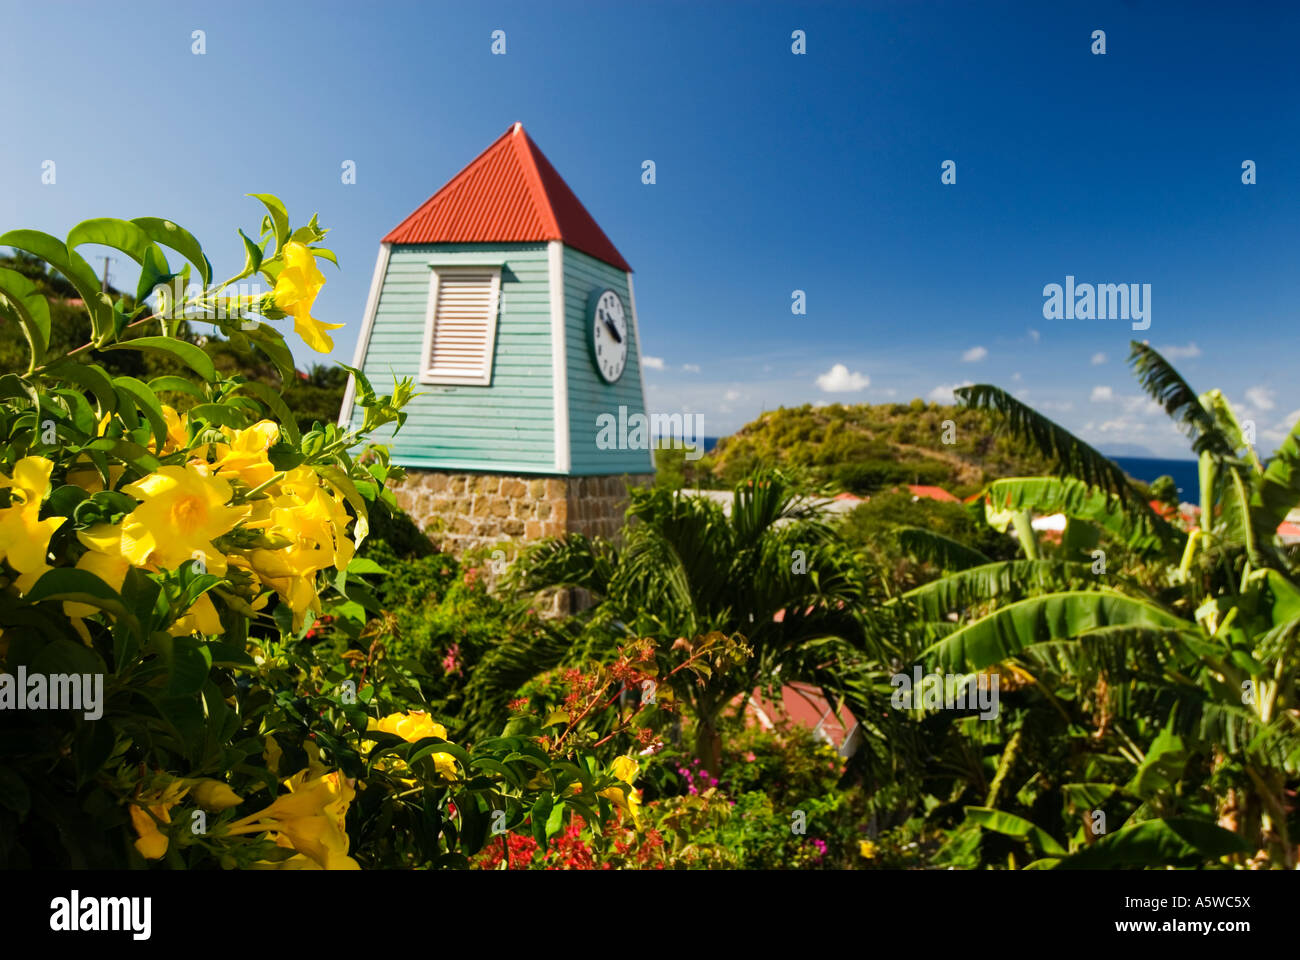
(770, 570)
(1179, 651)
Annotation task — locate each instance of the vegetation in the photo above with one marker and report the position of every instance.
(313, 397)
(865, 448)
(292, 678)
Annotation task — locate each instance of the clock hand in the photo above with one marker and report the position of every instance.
(618, 338)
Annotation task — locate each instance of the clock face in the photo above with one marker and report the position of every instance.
(609, 335)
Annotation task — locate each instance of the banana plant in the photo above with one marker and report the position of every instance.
(1183, 636)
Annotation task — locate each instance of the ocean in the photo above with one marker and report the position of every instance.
(1148, 469)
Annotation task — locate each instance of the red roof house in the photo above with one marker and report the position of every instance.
(509, 193)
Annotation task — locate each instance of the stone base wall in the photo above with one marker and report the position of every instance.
(461, 512)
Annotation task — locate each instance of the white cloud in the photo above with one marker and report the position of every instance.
(1016, 377)
(943, 392)
(1173, 352)
(839, 380)
(731, 396)
(1034, 335)
(653, 363)
(691, 367)
(974, 355)
(1098, 359)
(1260, 397)
(1102, 395)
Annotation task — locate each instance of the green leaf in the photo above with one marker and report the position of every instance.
(179, 239)
(1167, 387)
(279, 217)
(30, 308)
(271, 397)
(252, 256)
(555, 820)
(88, 376)
(1069, 454)
(188, 661)
(190, 355)
(79, 586)
(1136, 526)
(69, 263)
(540, 818)
(1161, 768)
(1018, 827)
(111, 232)
(1155, 843)
(1008, 579)
(938, 549)
(176, 384)
(144, 398)
(1055, 616)
(219, 413)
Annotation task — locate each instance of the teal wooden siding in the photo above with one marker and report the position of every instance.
(509, 425)
(589, 394)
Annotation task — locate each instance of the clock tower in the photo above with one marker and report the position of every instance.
(516, 317)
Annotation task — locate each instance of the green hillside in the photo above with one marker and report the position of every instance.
(865, 447)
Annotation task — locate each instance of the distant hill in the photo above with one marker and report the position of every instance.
(863, 448)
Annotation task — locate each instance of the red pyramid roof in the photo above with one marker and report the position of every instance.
(509, 193)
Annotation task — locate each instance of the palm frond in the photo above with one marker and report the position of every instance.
(1070, 455)
(1167, 387)
(1277, 492)
(944, 552)
(1008, 579)
(1132, 523)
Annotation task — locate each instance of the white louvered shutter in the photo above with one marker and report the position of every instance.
(463, 326)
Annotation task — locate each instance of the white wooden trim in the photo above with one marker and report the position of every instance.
(367, 325)
(640, 354)
(430, 321)
(559, 357)
(468, 258)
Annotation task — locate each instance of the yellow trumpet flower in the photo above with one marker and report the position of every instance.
(183, 510)
(295, 292)
(24, 537)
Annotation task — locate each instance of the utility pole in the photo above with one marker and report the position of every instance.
(105, 284)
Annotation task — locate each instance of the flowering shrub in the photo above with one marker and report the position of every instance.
(172, 552)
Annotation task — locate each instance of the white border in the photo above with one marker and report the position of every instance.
(367, 325)
(559, 357)
(483, 379)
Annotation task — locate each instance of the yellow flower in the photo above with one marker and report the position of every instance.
(413, 726)
(24, 537)
(310, 818)
(183, 511)
(626, 798)
(152, 842)
(104, 559)
(291, 573)
(83, 474)
(867, 849)
(295, 292)
(213, 795)
(245, 455)
(202, 617)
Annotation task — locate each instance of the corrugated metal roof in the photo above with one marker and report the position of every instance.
(509, 193)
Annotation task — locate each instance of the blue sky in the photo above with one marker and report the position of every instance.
(775, 172)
